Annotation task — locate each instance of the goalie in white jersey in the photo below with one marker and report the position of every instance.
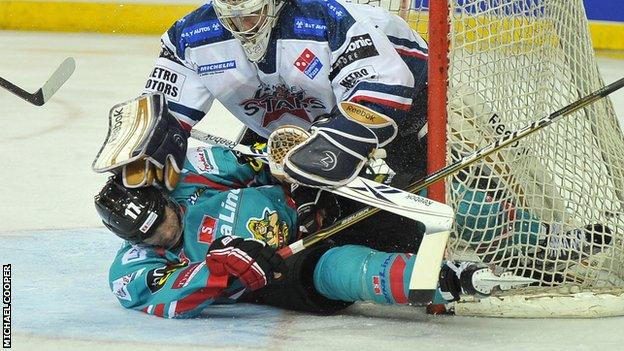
(273, 63)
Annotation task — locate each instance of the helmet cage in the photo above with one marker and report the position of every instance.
(236, 16)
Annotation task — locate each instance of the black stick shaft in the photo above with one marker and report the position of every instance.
(32, 98)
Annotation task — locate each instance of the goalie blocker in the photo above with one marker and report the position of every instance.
(145, 143)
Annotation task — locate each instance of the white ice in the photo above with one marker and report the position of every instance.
(60, 253)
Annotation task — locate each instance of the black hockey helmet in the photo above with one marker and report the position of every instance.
(132, 214)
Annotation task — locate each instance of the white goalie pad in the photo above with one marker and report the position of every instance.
(130, 127)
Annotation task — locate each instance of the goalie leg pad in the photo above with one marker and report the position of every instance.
(333, 155)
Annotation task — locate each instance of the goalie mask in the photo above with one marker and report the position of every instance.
(250, 21)
(133, 214)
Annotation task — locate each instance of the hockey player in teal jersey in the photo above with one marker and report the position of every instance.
(213, 240)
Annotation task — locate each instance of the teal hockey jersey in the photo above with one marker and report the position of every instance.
(220, 194)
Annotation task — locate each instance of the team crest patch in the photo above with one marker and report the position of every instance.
(272, 102)
(269, 228)
(308, 64)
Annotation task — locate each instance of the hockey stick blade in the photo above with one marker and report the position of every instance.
(51, 86)
(424, 278)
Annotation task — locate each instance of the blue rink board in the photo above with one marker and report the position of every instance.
(60, 289)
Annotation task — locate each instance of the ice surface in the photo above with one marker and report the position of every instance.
(60, 254)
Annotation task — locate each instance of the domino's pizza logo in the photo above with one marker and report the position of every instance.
(308, 64)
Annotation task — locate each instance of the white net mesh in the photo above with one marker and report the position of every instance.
(549, 206)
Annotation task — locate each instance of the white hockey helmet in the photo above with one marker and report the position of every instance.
(250, 21)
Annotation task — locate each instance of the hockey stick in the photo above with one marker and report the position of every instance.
(436, 217)
(51, 86)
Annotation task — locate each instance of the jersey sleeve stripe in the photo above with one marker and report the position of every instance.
(400, 93)
(409, 44)
(172, 308)
(395, 96)
(198, 298)
(389, 103)
(195, 115)
(197, 179)
(159, 310)
(186, 123)
(412, 53)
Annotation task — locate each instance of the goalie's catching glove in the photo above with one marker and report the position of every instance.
(334, 154)
(252, 261)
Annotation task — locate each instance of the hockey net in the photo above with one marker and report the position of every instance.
(550, 206)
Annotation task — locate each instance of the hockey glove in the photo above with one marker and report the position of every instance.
(316, 209)
(252, 261)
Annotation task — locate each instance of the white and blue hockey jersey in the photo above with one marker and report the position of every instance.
(321, 52)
